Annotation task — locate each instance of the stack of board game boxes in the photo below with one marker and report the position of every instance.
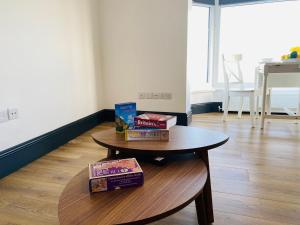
(147, 126)
(122, 173)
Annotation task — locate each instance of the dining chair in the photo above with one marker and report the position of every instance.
(234, 86)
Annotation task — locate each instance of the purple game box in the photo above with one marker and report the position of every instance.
(115, 174)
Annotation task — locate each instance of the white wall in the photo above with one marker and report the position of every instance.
(49, 65)
(144, 48)
(202, 96)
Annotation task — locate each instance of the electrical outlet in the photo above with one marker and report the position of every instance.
(148, 95)
(142, 95)
(12, 113)
(155, 95)
(3, 116)
(163, 96)
(168, 95)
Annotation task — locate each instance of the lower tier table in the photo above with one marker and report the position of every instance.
(166, 190)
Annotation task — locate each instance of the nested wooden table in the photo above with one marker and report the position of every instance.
(166, 190)
(183, 139)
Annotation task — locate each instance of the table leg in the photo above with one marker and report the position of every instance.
(252, 109)
(263, 111)
(207, 189)
(298, 109)
(200, 209)
(111, 153)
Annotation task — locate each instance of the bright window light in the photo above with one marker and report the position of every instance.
(258, 31)
(198, 47)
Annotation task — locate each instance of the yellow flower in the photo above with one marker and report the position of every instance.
(295, 49)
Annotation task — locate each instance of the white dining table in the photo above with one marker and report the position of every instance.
(279, 75)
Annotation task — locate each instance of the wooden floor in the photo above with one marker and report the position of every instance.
(255, 177)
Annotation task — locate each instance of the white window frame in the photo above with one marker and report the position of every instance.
(214, 48)
(208, 85)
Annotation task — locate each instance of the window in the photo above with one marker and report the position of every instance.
(258, 31)
(198, 47)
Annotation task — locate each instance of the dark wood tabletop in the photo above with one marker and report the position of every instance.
(183, 139)
(166, 190)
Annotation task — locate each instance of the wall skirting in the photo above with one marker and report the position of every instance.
(15, 157)
(20, 155)
(206, 107)
(217, 107)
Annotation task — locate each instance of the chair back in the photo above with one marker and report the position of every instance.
(258, 83)
(233, 76)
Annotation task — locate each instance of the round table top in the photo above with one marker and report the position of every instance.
(166, 190)
(182, 139)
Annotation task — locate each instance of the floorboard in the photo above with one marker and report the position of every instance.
(255, 176)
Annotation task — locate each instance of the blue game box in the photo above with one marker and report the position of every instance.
(124, 116)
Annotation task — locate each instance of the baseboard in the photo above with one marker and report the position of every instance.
(217, 107)
(247, 112)
(20, 155)
(206, 107)
(189, 117)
